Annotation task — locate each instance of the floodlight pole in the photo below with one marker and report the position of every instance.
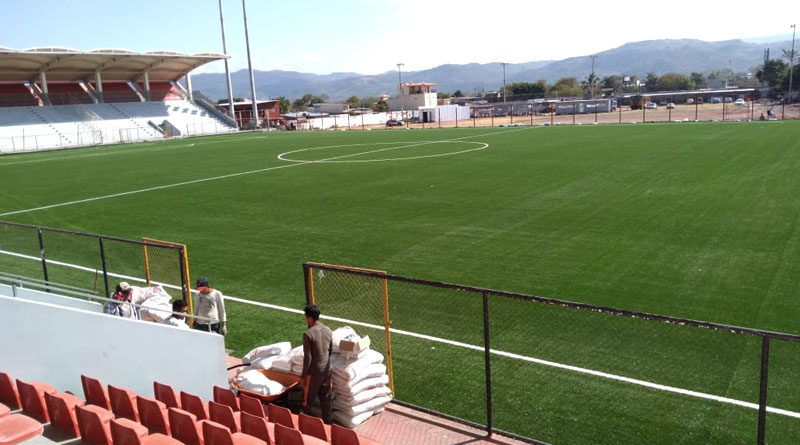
(791, 64)
(250, 66)
(400, 87)
(504, 81)
(227, 70)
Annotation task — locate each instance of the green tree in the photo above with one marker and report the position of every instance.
(283, 103)
(674, 82)
(772, 73)
(525, 88)
(721, 74)
(225, 100)
(458, 93)
(567, 86)
(353, 101)
(699, 80)
(442, 96)
(651, 81)
(614, 82)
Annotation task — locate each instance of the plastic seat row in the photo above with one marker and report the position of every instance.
(119, 416)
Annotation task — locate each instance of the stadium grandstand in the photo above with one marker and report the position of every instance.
(59, 97)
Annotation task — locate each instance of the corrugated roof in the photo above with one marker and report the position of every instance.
(114, 64)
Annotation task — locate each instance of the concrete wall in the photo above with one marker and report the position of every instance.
(56, 345)
(45, 297)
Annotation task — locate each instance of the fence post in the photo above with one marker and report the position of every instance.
(512, 113)
(105, 269)
(474, 118)
(309, 284)
(619, 105)
(752, 108)
(762, 397)
(669, 114)
(644, 111)
(552, 113)
(530, 110)
(439, 117)
(492, 115)
(488, 363)
(362, 119)
(723, 109)
(185, 286)
(696, 105)
(783, 111)
(348, 121)
(595, 112)
(573, 114)
(42, 255)
(456, 116)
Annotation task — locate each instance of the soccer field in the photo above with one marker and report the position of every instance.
(694, 220)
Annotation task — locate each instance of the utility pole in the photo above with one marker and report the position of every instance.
(504, 81)
(791, 64)
(591, 76)
(227, 70)
(250, 68)
(400, 88)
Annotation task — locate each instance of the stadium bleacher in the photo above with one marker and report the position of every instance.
(16, 95)
(68, 93)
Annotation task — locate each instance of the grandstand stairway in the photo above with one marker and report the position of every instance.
(145, 130)
(61, 137)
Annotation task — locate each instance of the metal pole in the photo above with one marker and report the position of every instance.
(307, 280)
(696, 105)
(791, 65)
(42, 255)
(103, 262)
(504, 81)
(762, 396)
(184, 278)
(400, 87)
(227, 69)
(250, 66)
(573, 114)
(487, 358)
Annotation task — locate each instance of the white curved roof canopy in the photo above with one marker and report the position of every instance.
(66, 64)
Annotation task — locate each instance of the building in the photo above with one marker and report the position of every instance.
(414, 95)
(243, 112)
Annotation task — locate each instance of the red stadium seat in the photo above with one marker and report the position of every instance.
(280, 415)
(195, 405)
(313, 426)
(94, 392)
(8, 391)
(258, 426)
(185, 427)
(224, 414)
(16, 428)
(216, 434)
(4, 410)
(226, 397)
(123, 402)
(61, 409)
(94, 424)
(346, 436)
(164, 393)
(153, 414)
(290, 436)
(31, 397)
(128, 432)
(251, 405)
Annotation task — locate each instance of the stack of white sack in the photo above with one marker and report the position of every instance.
(359, 382)
(287, 362)
(254, 381)
(263, 356)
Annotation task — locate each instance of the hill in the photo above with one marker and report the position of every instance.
(638, 58)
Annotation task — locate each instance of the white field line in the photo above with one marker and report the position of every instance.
(215, 178)
(458, 344)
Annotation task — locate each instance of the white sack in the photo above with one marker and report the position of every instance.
(267, 351)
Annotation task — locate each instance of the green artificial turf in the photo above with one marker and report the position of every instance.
(690, 220)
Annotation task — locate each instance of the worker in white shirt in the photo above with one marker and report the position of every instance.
(178, 317)
(209, 308)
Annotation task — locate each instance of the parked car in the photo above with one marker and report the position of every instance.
(651, 106)
(715, 100)
(394, 123)
(670, 106)
(739, 102)
(690, 101)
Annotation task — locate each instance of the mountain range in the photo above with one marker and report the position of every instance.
(637, 58)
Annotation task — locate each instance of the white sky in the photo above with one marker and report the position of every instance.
(372, 36)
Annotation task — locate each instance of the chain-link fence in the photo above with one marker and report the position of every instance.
(565, 372)
(89, 261)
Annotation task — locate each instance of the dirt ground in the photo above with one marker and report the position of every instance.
(702, 112)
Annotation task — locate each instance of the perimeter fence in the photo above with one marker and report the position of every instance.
(90, 261)
(566, 372)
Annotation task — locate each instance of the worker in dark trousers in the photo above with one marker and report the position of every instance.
(316, 376)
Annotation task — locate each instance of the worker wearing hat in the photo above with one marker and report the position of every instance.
(210, 308)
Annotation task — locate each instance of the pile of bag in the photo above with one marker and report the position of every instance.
(257, 382)
(359, 381)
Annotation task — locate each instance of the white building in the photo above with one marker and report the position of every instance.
(413, 96)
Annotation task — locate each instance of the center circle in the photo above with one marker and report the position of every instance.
(346, 158)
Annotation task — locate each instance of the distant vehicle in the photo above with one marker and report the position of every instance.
(413, 119)
(739, 102)
(728, 99)
(394, 123)
(651, 106)
(690, 101)
(715, 100)
(500, 113)
(670, 106)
